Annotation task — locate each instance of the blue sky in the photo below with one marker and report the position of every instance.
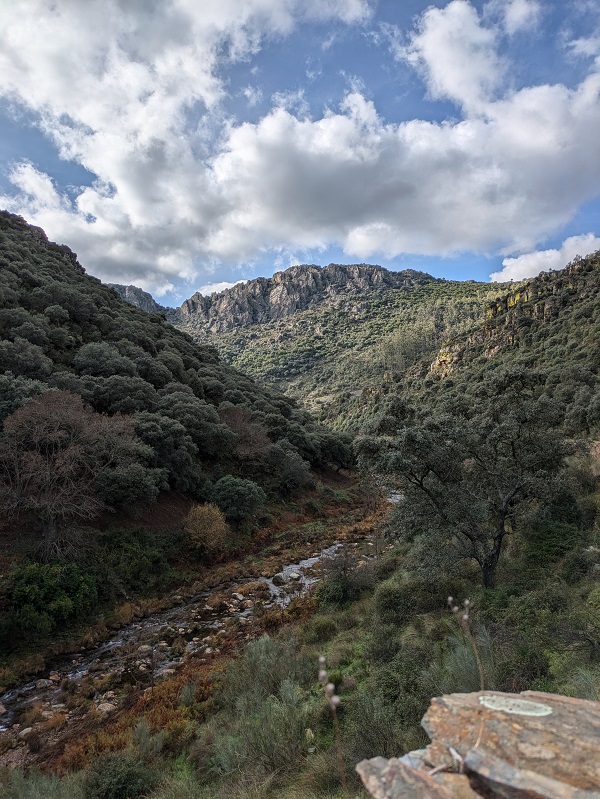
(183, 145)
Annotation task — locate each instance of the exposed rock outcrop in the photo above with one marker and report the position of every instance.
(499, 746)
(139, 298)
(297, 288)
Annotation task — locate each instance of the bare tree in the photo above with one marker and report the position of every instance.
(55, 457)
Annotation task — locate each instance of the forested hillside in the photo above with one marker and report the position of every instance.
(107, 408)
(331, 336)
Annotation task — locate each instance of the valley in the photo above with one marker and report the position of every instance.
(170, 478)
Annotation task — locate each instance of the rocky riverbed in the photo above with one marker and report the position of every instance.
(145, 651)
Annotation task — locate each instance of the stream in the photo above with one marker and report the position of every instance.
(150, 648)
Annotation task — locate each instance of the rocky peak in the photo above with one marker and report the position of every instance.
(137, 297)
(295, 289)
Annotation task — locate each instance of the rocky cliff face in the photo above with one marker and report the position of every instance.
(136, 296)
(530, 308)
(296, 289)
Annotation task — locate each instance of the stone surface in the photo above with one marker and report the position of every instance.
(562, 744)
(138, 297)
(295, 289)
(498, 746)
(106, 707)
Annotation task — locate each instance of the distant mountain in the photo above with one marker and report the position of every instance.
(341, 338)
(296, 289)
(329, 335)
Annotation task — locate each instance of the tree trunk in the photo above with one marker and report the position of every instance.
(488, 573)
(490, 561)
(49, 538)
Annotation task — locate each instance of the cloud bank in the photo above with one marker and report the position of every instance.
(532, 263)
(137, 99)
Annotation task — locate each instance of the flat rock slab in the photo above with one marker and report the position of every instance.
(554, 736)
(393, 779)
(499, 746)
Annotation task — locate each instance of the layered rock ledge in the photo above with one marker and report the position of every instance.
(498, 746)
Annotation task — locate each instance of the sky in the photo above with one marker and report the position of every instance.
(184, 145)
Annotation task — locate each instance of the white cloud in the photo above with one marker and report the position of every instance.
(136, 100)
(518, 15)
(215, 288)
(532, 263)
(253, 94)
(456, 54)
(585, 47)
(118, 90)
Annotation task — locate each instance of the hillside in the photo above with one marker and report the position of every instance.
(106, 410)
(331, 336)
(549, 323)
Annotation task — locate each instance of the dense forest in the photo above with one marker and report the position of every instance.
(479, 421)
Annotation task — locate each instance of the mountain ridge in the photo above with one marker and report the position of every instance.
(264, 300)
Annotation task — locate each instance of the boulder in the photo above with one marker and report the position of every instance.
(489, 744)
(105, 707)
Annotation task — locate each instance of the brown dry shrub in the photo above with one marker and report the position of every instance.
(207, 529)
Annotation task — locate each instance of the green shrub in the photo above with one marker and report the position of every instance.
(371, 727)
(260, 672)
(396, 601)
(118, 776)
(239, 499)
(46, 596)
(319, 629)
(33, 785)
(549, 542)
(344, 582)
(270, 739)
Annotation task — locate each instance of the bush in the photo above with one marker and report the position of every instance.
(259, 673)
(319, 629)
(345, 580)
(33, 785)
(207, 529)
(118, 776)
(239, 499)
(271, 738)
(46, 596)
(396, 601)
(371, 727)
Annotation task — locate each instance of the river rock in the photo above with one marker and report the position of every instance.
(279, 579)
(55, 677)
(24, 733)
(237, 596)
(2, 709)
(106, 707)
(145, 649)
(294, 576)
(44, 684)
